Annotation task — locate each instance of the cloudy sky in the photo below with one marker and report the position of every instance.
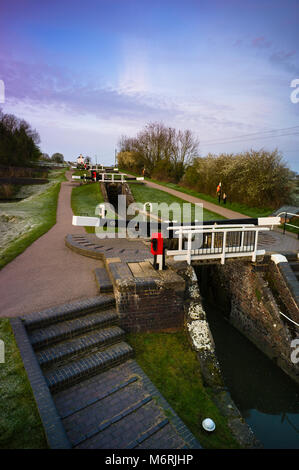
(83, 73)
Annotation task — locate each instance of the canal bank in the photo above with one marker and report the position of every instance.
(267, 397)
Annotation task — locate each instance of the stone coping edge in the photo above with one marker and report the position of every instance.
(54, 430)
(288, 275)
(290, 280)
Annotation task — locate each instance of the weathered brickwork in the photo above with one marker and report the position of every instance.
(126, 191)
(104, 192)
(282, 287)
(254, 310)
(149, 308)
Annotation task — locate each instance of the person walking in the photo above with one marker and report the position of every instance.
(224, 197)
(218, 191)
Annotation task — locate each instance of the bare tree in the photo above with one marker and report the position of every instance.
(161, 147)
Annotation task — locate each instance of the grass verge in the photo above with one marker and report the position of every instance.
(44, 207)
(234, 206)
(173, 367)
(293, 221)
(84, 200)
(144, 194)
(20, 424)
(81, 172)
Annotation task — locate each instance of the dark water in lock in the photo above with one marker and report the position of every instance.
(267, 398)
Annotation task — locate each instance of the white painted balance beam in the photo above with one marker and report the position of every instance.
(86, 221)
(264, 221)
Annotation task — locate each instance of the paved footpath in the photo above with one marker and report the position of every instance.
(48, 273)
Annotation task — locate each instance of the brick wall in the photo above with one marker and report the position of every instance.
(128, 193)
(254, 310)
(279, 282)
(145, 307)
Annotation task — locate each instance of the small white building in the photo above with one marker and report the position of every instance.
(80, 160)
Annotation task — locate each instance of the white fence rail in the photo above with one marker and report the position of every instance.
(111, 178)
(216, 242)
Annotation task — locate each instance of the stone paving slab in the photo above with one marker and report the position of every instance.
(143, 269)
(276, 242)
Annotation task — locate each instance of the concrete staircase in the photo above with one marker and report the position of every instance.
(102, 397)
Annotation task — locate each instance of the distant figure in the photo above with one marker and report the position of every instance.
(224, 198)
(143, 172)
(218, 192)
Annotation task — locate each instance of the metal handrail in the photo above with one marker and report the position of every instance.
(285, 223)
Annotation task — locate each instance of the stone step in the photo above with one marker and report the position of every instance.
(291, 256)
(68, 329)
(74, 348)
(103, 280)
(76, 371)
(142, 437)
(67, 311)
(294, 265)
(115, 419)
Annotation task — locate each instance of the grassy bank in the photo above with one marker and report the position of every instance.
(173, 367)
(84, 200)
(20, 425)
(81, 172)
(25, 221)
(144, 194)
(234, 206)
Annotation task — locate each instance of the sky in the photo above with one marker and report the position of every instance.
(84, 73)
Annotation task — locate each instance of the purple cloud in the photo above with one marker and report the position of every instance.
(283, 59)
(261, 42)
(52, 85)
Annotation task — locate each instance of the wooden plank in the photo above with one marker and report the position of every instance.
(148, 269)
(136, 269)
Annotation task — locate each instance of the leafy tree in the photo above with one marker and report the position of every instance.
(45, 157)
(57, 157)
(18, 141)
(256, 177)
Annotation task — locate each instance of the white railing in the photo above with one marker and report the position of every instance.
(216, 242)
(111, 178)
(102, 168)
